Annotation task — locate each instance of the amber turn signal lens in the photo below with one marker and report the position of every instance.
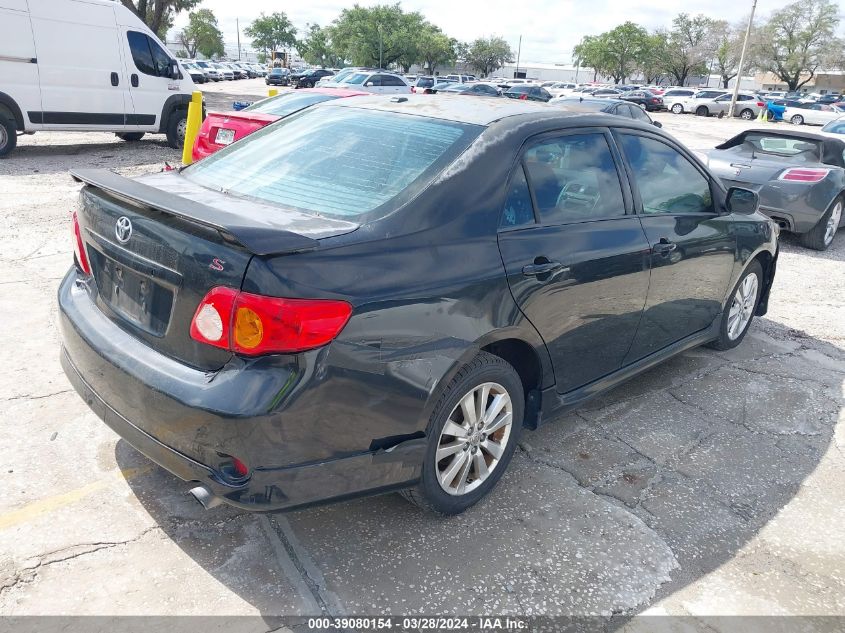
(248, 328)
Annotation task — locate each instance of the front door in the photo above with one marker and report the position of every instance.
(692, 247)
(576, 259)
(150, 83)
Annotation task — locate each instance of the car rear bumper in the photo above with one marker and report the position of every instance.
(188, 420)
(791, 213)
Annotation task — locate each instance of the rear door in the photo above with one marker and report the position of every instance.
(576, 259)
(18, 58)
(83, 85)
(692, 247)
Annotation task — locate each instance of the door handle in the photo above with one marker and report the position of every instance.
(115, 79)
(134, 80)
(532, 270)
(663, 247)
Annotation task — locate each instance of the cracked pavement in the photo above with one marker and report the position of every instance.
(710, 485)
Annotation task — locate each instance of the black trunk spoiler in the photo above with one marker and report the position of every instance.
(257, 237)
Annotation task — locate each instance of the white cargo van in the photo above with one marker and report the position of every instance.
(86, 65)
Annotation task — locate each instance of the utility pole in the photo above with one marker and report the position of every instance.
(238, 29)
(742, 60)
(518, 54)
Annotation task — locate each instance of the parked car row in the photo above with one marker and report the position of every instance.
(222, 70)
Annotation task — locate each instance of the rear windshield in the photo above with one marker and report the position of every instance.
(340, 162)
(425, 82)
(586, 105)
(520, 89)
(288, 103)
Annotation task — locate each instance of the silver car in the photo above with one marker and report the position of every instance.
(698, 103)
(799, 177)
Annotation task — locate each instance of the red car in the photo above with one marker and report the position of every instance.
(224, 128)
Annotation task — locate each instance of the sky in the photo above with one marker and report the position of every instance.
(549, 28)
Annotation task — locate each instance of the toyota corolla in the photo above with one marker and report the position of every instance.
(377, 294)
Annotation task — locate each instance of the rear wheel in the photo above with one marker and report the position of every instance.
(739, 310)
(746, 114)
(176, 126)
(130, 136)
(820, 237)
(677, 109)
(797, 120)
(472, 435)
(702, 111)
(8, 136)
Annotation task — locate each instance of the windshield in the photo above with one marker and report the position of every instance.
(288, 103)
(358, 78)
(340, 162)
(799, 149)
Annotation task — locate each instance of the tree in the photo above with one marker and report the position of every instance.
(376, 36)
(488, 54)
(591, 52)
(652, 64)
(159, 14)
(728, 51)
(691, 44)
(317, 48)
(624, 48)
(202, 34)
(435, 48)
(271, 32)
(798, 40)
(413, 25)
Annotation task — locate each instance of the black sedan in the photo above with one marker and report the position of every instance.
(289, 321)
(610, 106)
(644, 99)
(528, 92)
(309, 78)
(472, 90)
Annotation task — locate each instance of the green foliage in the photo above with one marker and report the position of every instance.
(728, 51)
(317, 48)
(378, 35)
(488, 54)
(798, 40)
(435, 48)
(159, 14)
(202, 35)
(271, 32)
(692, 43)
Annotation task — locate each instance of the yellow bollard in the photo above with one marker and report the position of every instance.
(272, 92)
(193, 127)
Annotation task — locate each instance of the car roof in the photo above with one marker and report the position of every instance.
(453, 107)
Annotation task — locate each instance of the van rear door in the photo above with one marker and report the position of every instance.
(18, 59)
(82, 81)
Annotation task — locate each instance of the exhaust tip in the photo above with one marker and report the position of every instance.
(204, 496)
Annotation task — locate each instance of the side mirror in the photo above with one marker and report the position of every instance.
(174, 71)
(368, 84)
(657, 124)
(742, 201)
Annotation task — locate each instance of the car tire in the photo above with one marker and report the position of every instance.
(739, 309)
(176, 127)
(797, 120)
(677, 109)
(485, 374)
(746, 114)
(821, 236)
(130, 137)
(8, 136)
(702, 111)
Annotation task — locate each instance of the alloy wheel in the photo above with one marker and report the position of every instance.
(4, 137)
(832, 222)
(474, 438)
(742, 307)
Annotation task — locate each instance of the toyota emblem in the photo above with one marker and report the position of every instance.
(123, 229)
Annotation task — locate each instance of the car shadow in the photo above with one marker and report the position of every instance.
(640, 493)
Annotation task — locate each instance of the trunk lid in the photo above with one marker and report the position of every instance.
(158, 244)
(737, 167)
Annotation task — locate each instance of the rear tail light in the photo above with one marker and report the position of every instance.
(79, 247)
(413, 89)
(253, 324)
(804, 175)
(760, 104)
(523, 97)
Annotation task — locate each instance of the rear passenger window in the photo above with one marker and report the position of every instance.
(574, 178)
(141, 54)
(667, 181)
(519, 209)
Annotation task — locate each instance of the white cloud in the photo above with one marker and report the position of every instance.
(549, 28)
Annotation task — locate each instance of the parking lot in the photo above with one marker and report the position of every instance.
(711, 485)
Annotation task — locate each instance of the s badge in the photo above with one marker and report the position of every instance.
(216, 264)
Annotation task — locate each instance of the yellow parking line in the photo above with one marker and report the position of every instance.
(44, 506)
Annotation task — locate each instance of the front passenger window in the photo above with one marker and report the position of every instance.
(667, 181)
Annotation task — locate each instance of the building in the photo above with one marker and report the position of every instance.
(823, 82)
